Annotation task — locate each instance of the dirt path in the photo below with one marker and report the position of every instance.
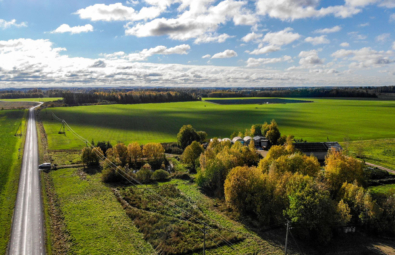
(381, 167)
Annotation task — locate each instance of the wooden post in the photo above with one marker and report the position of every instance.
(286, 238)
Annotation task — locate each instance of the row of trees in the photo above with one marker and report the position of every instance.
(296, 92)
(130, 97)
(288, 185)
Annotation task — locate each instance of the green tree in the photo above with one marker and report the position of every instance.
(186, 136)
(273, 133)
(121, 152)
(202, 136)
(256, 129)
(191, 154)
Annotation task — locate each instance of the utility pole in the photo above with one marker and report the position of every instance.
(204, 242)
(286, 238)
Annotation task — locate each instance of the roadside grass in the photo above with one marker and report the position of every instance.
(43, 99)
(10, 167)
(94, 219)
(323, 119)
(69, 157)
(379, 151)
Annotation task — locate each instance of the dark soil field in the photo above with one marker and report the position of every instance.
(257, 101)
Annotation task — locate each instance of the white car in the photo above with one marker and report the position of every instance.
(45, 166)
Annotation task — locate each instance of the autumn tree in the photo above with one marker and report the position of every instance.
(186, 136)
(243, 187)
(134, 153)
(154, 152)
(91, 156)
(340, 168)
(191, 154)
(121, 152)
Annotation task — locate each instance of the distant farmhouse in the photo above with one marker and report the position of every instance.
(319, 150)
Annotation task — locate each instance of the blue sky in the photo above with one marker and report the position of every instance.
(197, 43)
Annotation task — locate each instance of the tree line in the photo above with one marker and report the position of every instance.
(130, 97)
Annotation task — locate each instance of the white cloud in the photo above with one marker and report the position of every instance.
(328, 30)
(225, 54)
(387, 3)
(199, 21)
(12, 23)
(291, 9)
(265, 50)
(365, 57)
(309, 58)
(383, 37)
(251, 37)
(117, 12)
(364, 24)
(317, 40)
(345, 44)
(206, 56)
(73, 30)
(357, 36)
(392, 17)
(254, 62)
(158, 50)
(37, 63)
(282, 37)
(206, 38)
(393, 46)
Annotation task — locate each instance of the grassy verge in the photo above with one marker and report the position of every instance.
(383, 189)
(10, 168)
(94, 219)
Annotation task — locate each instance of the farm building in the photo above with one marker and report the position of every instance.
(261, 142)
(247, 140)
(237, 139)
(319, 150)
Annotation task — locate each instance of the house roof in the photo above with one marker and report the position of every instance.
(317, 147)
(236, 138)
(247, 138)
(311, 147)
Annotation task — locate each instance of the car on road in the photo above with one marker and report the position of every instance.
(45, 166)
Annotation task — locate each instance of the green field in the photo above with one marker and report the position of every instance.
(318, 121)
(95, 220)
(10, 162)
(97, 223)
(44, 99)
(379, 151)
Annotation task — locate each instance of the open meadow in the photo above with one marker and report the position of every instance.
(323, 119)
(10, 161)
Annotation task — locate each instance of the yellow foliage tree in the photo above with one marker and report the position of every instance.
(134, 153)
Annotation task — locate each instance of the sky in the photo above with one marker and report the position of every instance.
(197, 43)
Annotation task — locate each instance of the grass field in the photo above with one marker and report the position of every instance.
(379, 151)
(43, 99)
(95, 220)
(10, 163)
(325, 118)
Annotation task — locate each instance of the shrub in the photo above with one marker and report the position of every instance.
(160, 175)
(144, 175)
(375, 173)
